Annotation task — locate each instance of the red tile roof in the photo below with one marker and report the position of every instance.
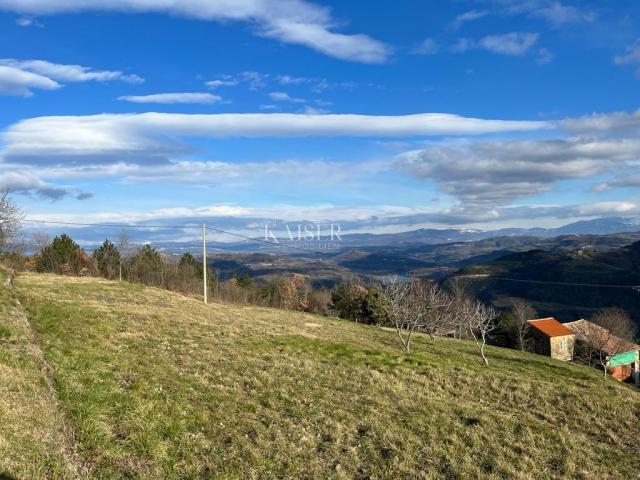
(550, 327)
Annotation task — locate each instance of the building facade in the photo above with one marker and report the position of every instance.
(552, 338)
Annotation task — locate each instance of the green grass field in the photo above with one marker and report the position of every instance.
(110, 380)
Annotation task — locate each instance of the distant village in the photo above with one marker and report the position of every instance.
(588, 343)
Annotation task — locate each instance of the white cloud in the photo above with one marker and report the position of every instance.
(499, 172)
(214, 84)
(154, 135)
(284, 97)
(469, 16)
(256, 81)
(514, 43)
(427, 47)
(309, 110)
(14, 81)
(21, 77)
(631, 56)
(292, 80)
(616, 123)
(290, 21)
(544, 56)
(27, 22)
(623, 181)
(462, 45)
(31, 184)
(554, 12)
(559, 14)
(69, 73)
(360, 48)
(217, 172)
(170, 98)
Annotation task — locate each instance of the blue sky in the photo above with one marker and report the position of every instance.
(478, 114)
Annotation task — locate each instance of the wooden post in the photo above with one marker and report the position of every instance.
(204, 261)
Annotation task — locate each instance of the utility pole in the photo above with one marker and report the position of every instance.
(120, 270)
(204, 260)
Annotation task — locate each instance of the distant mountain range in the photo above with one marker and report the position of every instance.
(165, 237)
(599, 226)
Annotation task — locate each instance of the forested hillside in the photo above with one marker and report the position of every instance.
(522, 275)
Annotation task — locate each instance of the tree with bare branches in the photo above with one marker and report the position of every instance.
(481, 321)
(416, 306)
(610, 332)
(522, 313)
(10, 217)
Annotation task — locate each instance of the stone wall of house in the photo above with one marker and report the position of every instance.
(562, 347)
(541, 342)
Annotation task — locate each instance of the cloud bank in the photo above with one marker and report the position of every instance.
(155, 136)
(289, 21)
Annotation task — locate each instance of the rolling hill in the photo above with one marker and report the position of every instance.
(102, 379)
(523, 275)
(374, 262)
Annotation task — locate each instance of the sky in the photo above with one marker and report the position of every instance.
(386, 116)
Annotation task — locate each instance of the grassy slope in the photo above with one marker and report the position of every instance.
(155, 385)
(32, 438)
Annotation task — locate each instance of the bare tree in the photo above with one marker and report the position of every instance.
(10, 217)
(610, 332)
(399, 312)
(481, 320)
(39, 240)
(460, 297)
(436, 306)
(416, 306)
(522, 313)
(125, 247)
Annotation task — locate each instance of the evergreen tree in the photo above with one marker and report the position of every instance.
(375, 307)
(64, 256)
(347, 301)
(147, 266)
(108, 259)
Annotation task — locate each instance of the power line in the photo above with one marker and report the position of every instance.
(122, 225)
(268, 242)
(218, 230)
(633, 287)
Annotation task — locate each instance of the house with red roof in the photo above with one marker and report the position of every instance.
(622, 356)
(552, 338)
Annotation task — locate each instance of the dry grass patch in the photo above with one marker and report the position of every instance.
(156, 385)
